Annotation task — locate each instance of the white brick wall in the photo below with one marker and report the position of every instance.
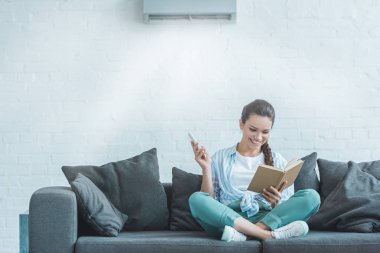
(87, 82)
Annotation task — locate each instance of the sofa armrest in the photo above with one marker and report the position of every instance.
(53, 220)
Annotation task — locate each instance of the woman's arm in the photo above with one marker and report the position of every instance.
(204, 161)
(207, 185)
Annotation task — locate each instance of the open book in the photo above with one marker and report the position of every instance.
(267, 176)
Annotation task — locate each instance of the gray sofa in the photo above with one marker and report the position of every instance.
(53, 224)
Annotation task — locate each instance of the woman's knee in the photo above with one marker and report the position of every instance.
(196, 199)
(312, 198)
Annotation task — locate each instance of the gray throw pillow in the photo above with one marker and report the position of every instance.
(353, 204)
(183, 185)
(133, 187)
(95, 208)
(332, 172)
(307, 178)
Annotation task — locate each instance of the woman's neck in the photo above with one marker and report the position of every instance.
(244, 150)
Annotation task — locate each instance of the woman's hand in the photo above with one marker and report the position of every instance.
(201, 156)
(273, 195)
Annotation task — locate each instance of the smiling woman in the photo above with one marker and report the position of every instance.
(256, 123)
(224, 207)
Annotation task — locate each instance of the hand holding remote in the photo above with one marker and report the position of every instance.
(200, 153)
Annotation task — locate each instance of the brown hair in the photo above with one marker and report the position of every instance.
(262, 108)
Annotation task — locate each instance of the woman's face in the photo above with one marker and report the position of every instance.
(256, 131)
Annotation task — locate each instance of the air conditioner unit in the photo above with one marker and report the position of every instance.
(189, 9)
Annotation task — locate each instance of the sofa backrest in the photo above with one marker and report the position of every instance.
(168, 190)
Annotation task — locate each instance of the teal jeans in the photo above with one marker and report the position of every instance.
(213, 215)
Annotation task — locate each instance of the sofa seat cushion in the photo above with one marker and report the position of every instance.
(163, 241)
(326, 242)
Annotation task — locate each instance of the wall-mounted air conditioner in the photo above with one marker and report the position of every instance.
(189, 9)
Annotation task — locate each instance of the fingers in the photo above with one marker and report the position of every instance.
(205, 154)
(282, 186)
(272, 195)
(272, 200)
(194, 145)
(201, 153)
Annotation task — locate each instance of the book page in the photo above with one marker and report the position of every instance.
(291, 163)
(291, 173)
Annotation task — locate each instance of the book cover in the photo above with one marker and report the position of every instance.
(267, 176)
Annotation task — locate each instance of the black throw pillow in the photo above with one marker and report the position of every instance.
(95, 208)
(354, 203)
(307, 178)
(183, 185)
(133, 187)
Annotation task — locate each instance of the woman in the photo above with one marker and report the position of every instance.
(225, 208)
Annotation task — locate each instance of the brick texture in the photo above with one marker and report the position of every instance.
(87, 82)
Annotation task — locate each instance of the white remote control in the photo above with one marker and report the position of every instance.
(192, 138)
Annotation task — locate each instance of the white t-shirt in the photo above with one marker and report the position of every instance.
(244, 169)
